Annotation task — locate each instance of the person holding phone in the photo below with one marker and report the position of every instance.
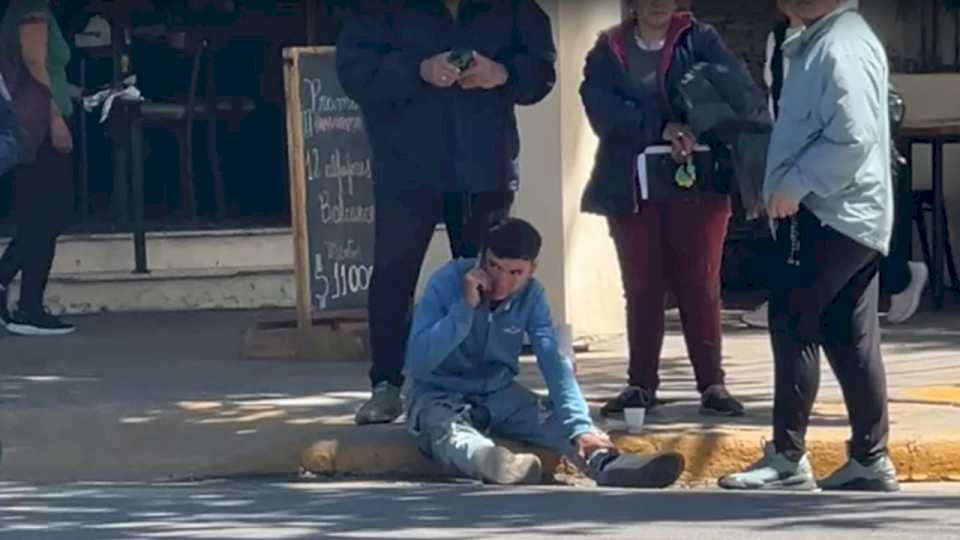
(34, 59)
(438, 83)
(462, 361)
(630, 82)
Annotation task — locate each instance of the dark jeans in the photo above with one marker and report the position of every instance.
(675, 244)
(404, 227)
(828, 299)
(43, 205)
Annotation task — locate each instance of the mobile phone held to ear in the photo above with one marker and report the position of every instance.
(461, 59)
(480, 290)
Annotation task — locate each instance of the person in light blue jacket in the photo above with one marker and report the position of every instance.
(828, 188)
(461, 362)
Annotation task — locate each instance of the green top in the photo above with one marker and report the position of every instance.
(58, 51)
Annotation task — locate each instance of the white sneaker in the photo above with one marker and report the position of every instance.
(905, 304)
(758, 318)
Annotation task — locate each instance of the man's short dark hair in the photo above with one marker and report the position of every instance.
(514, 238)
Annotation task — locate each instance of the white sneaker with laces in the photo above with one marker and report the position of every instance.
(758, 318)
(904, 305)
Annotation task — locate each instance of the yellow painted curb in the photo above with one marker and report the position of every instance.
(947, 395)
(390, 451)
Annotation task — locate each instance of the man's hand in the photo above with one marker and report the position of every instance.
(588, 443)
(60, 134)
(483, 73)
(782, 206)
(682, 139)
(475, 282)
(439, 72)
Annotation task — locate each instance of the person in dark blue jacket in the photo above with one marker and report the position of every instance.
(629, 89)
(438, 81)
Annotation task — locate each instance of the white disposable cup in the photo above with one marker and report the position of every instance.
(634, 417)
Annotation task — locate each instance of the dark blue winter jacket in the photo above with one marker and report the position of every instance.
(450, 139)
(626, 127)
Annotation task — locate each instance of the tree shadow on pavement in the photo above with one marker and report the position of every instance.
(313, 509)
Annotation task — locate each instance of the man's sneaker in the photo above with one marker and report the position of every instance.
(631, 396)
(880, 475)
(758, 318)
(717, 401)
(37, 324)
(384, 406)
(4, 305)
(612, 469)
(498, 465)
(773, 471)
(905, 304)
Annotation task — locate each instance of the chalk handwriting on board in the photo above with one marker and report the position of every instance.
(324, 113)
(323, 103)
(335, 204)
(343, 252)
(348, 280)
(341, 168)
(315, 124)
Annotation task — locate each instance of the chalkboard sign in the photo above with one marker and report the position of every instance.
(331, 186)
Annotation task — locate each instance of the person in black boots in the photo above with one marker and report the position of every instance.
(438, 82)
(34, 58)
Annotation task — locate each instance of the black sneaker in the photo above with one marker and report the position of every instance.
(612, 469)
(40, 324)
(631, 396)
(717, 401)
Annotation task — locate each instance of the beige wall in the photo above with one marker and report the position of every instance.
(578, 265)
(594, 294)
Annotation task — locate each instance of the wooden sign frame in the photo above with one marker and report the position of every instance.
(298, 183)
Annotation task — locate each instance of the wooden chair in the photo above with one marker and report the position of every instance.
(201, 102)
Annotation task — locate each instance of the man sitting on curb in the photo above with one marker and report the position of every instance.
(463, 357)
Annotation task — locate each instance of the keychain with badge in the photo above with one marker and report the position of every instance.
(659, 175)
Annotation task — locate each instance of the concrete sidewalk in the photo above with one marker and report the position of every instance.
(163, 396)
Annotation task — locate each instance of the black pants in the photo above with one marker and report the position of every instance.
(43, 206)
(404, 226)
(827, 297)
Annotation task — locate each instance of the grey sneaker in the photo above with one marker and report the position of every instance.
(384, 406)
(498, 465)
(717, 401)
(773, 471)
(880, 475)
(612, 469)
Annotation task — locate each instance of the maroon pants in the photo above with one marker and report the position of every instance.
(676, 244)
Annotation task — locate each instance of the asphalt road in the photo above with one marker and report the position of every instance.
(271, 509)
